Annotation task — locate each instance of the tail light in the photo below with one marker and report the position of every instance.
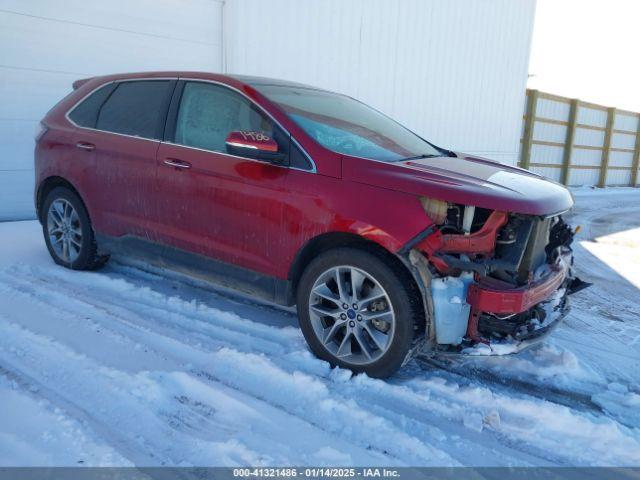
(41, 130)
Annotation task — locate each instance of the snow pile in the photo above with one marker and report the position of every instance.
(620, 402)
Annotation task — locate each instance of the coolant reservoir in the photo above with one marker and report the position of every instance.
(450, 307)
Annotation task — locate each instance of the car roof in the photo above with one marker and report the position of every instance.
(232, 79)
(263, 81)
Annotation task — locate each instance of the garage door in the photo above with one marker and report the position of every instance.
(45, 45)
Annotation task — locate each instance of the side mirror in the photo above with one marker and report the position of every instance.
(251, 144)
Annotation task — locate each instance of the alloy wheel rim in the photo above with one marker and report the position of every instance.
(64, 230)
(351, 315)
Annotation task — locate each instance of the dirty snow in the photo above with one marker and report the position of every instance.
(136, 365)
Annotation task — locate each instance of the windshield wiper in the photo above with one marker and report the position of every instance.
(418, 157)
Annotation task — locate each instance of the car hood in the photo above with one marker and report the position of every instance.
(467, 180)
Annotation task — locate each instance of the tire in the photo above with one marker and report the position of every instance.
(358, 343)
(65, 221)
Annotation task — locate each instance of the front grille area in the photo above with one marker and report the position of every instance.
(521, 248)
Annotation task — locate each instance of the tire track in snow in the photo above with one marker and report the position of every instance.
(164, 327)
(412, 448)
(569, 398)
(149, 298)
(159, 342)
(500, 416)
(182, 285)
(391, 413)
(29, 415)
(102, 432)
(145, 317)
(45, 365)
(146, 411)
(578, 398)
(427, 413)
(575, 399)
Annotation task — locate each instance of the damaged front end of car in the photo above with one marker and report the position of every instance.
(495, 282)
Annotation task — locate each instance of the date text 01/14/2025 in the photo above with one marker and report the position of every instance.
(319, 472)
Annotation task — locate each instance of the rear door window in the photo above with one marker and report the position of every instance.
(136, 108)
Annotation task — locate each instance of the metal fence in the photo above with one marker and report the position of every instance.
(580, 143)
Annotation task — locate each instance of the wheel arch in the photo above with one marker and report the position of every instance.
(46, 186)
(330, 240)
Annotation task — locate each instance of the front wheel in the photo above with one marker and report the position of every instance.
(356, 311)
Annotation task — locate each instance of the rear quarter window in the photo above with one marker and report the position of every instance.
(85, 114)
(136, 108)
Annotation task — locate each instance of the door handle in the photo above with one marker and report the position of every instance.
(85, 146)
(174, 162)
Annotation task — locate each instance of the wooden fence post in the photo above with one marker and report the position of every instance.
(568, 143)
(532, 105)
(636, 158)
(606, 147)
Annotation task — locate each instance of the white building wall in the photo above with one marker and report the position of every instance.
(47, 44)
(453, 71)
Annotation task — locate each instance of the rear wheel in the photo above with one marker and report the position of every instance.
(356, 311)
(68, 232)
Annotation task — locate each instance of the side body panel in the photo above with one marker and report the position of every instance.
(316, 204)
(258, 216)
(119, 178)
(223, 206)
(53, 157)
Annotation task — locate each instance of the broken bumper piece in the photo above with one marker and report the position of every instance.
(508, 320)
(533, 333)
(488, 296)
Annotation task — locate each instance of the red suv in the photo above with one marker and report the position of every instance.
(388, 244)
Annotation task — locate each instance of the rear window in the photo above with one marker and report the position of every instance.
(85, 114)
(135, 108)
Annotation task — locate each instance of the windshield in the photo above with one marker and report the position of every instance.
(344, 125)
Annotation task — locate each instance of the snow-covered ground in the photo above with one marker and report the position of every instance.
(133, 365)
